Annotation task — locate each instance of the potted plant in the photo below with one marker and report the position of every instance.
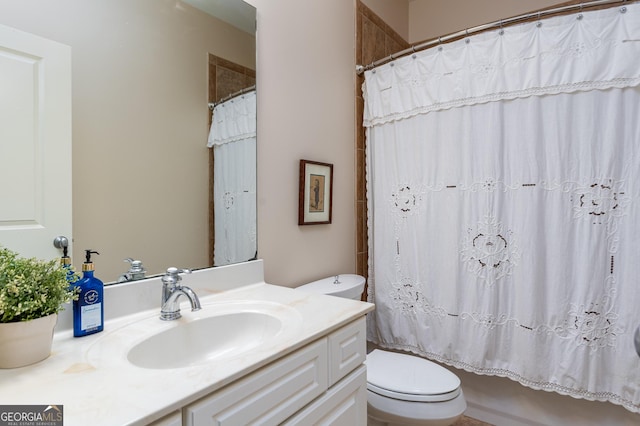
(32, 292)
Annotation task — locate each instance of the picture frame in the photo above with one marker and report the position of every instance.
(316, 193)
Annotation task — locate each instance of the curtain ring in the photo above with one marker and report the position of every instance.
(466, 31)
(439, 44)
(539, 23)
(501, 32)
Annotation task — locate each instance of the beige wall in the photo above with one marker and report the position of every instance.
(419, 20)
(306, 107)
(140, 118)
(429, 19)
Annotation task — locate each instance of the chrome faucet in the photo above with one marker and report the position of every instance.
(172, 290)
(135, 272)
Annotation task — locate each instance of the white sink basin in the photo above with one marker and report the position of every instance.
(205, 339)
(218, 331)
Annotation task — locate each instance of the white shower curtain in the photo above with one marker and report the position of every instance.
(233, 138)
(503, 175)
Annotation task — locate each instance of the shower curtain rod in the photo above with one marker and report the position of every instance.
(497, 24)
(231, 96)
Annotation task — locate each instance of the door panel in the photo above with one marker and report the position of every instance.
(35, 143)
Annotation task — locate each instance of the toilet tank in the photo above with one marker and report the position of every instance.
(349, 286)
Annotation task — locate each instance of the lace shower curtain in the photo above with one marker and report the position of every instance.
(503, 181)
(233, 138)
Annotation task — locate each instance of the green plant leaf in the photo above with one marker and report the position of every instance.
(31, 288)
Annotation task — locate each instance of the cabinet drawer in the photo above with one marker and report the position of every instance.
(268, 396)
(345, 404)
(347, 350)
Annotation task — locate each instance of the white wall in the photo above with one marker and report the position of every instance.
(306, 110)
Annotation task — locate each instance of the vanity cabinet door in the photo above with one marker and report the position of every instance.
(347, 350)
(268, 396)
(345, 404)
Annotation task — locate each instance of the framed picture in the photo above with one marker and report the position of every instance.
(316, 188)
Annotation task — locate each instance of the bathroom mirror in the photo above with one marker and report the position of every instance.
(140, 120)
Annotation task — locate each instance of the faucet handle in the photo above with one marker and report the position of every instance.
(172, 277)
(136, 265)
(175, 271)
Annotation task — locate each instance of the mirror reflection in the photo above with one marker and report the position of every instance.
(233, 142)
(143, 74)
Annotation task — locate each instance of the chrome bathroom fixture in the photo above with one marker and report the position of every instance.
(135, 272)
(171, 292)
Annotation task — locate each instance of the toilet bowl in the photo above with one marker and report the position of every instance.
(402, 389)
(407, 390)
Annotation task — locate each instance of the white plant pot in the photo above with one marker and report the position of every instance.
(27, 342)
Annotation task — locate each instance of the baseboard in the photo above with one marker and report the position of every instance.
(496, 417)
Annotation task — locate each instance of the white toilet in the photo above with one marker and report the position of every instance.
(401, 389)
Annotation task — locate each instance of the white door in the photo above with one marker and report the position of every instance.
(35, 143)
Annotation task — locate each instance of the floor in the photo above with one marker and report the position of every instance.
(468, 421)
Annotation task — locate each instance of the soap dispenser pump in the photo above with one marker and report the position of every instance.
(88, 310)
(65, 260)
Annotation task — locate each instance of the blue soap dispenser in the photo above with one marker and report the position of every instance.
(88, 310)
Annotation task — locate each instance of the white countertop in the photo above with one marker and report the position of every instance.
(92, 378)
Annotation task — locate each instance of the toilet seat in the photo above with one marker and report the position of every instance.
(443, 397)
(409, 378)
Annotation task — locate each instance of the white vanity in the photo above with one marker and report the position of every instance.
(301, 364)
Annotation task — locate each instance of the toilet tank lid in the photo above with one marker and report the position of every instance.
(327, 286)
(409, 374)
